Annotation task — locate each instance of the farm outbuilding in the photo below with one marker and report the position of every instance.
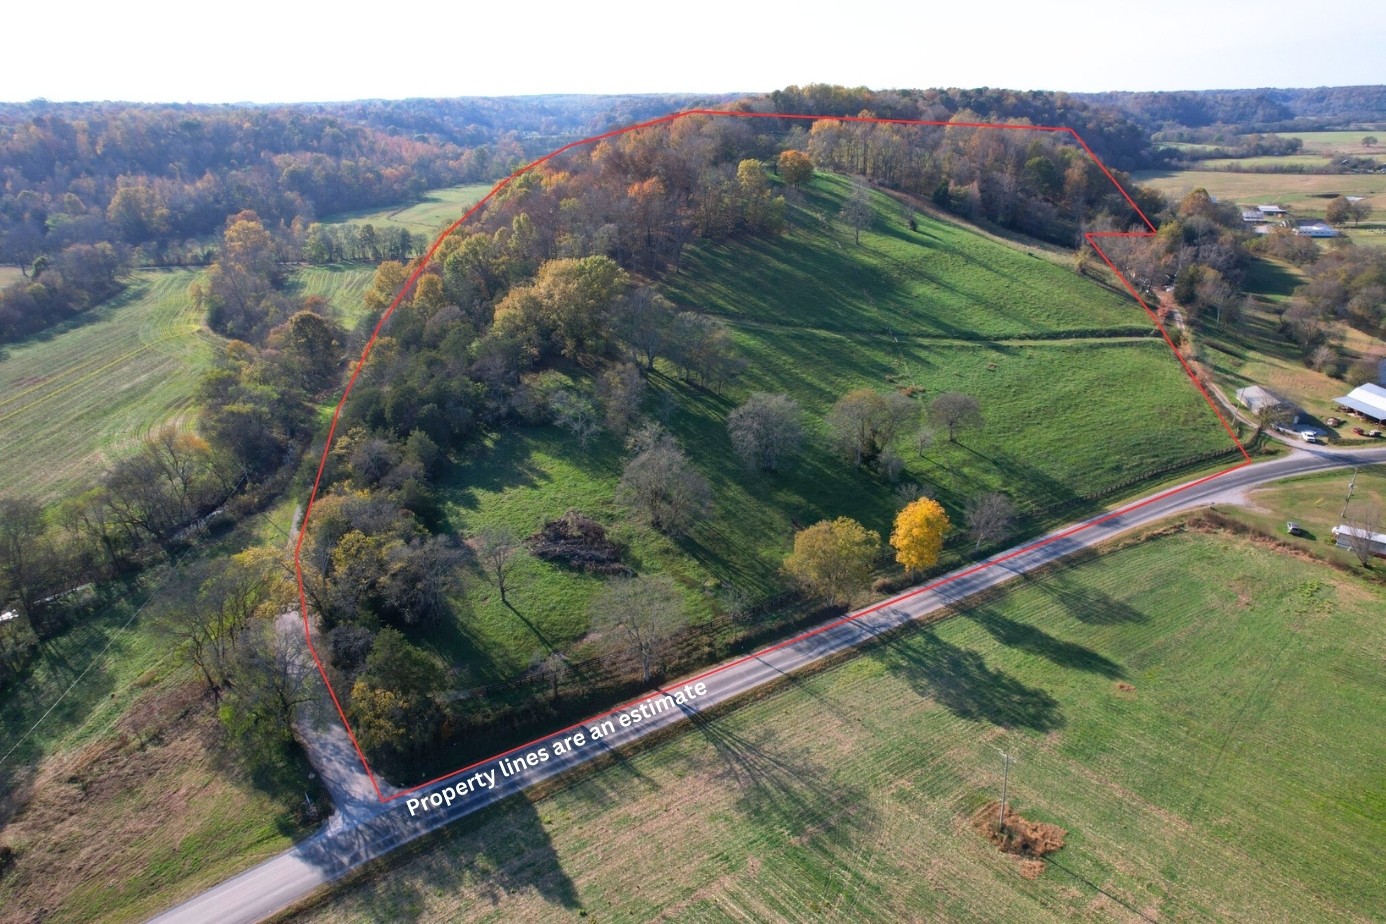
(1367, 400)
(1348, 537)
(1256, 399)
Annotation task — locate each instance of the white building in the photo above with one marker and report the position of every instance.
(1367, 400)
(1348, 537)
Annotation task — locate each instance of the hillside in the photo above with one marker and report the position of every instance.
(1078, 398)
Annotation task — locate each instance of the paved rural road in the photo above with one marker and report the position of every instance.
(337, 849)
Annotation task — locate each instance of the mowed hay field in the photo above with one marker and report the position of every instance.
(1306, 192)
(1077, 396)
(77, 396)
(1200, 713)
(438, 209)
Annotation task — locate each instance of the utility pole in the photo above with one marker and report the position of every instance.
(1351, 484)
(1005, 779)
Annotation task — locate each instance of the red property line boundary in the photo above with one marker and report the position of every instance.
(423, 263)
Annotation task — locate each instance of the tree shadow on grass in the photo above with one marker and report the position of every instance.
(1084, 602)
(496, 853)
(960, 681)
(1027, 638)
(787, 794)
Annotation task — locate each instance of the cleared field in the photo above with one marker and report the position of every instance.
(9, 275)
(1198, 712)
(80, 394)
(1305, 161)
(1343, 142)
(77, 396)
(438, 209)
(342, 285)
(1051, 357)
(1307, 193)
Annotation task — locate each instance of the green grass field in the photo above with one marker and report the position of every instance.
(77, 396)
(343, 285)
(1341, 142)
(1300, 191)
(816, 315)
(1199, 712)
(439, 208)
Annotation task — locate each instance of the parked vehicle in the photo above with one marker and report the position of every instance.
(1359, 431)
(1294, 528)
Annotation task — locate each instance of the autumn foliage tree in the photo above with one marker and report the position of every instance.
(796, 167)
(919, 532)
(833, 558)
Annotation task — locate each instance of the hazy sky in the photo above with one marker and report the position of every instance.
(253, 50)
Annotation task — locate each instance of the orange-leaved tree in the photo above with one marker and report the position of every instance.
(919, 532)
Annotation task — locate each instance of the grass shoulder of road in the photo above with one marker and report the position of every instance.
(1317, 503)
(75, 397)
(1195, 708)
(816, 315)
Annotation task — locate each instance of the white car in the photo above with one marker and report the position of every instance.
(1309, 436)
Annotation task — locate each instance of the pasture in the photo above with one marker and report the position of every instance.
(1053, 358)
(1197, 710)
(438, 209)
(1305, 193)
(77, 396)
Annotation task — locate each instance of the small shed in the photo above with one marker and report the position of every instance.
(1256, 399)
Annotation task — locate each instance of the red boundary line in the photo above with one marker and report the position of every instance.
(422, 265)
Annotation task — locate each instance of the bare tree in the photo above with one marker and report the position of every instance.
(25, 557)
(955, 411)
(865, 422)
(209, 625)
(497, 548)
(555, 664)
(701, 347)
(1364, 524)
(856, 209)
(923, 440)
(662, 485)
(645, 611)
(621, 390)
(766, 430)
(642, 323)
(990, 518)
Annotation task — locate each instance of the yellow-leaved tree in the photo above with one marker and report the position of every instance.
(919, 532)
(833, 557)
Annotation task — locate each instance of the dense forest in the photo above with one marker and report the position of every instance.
(156, 184)
(1251, 110)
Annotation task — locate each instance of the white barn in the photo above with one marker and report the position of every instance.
(1367, 400)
